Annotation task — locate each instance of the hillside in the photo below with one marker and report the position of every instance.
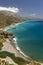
(6, 20)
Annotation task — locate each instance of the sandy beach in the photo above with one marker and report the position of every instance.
(8, 46)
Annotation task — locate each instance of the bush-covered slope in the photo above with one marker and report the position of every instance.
(6, 20)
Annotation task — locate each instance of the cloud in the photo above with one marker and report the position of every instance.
(33, 14)
(12, 9)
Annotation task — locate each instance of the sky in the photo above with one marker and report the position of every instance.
(32, 8)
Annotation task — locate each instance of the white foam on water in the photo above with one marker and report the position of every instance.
(17, 47)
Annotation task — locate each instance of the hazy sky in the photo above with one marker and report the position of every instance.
(32, 8)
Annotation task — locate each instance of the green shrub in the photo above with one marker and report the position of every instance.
(1, 45)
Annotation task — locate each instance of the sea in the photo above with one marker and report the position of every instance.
(29, 38)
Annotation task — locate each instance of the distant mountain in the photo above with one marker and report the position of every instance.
(9, 13)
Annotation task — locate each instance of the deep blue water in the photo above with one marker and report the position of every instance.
(29, 35)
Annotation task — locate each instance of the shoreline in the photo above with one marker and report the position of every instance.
(17, 48)
(24, 55)
(11, 26)
(20, 52)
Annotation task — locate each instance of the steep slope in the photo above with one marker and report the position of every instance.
(6, 20)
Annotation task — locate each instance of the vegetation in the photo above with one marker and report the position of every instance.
(36, 63)
(3, 36)
(1, 45)
(3, 62)
(6, 20)
(17, 60)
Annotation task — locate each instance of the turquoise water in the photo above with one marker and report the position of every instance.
(29, 35)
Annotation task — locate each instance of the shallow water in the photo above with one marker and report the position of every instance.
(29, 37)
